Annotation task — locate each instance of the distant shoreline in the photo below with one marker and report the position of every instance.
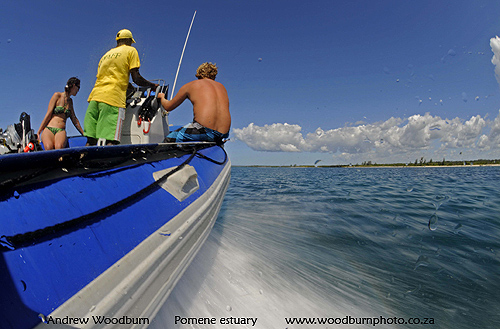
(375, 166)
(424, 166)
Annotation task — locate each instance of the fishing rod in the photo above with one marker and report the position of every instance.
(182, 55)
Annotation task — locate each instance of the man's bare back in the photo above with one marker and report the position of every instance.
(210, 103)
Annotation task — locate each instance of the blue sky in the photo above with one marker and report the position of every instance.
(340, 81)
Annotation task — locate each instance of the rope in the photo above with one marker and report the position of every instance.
(212, 160)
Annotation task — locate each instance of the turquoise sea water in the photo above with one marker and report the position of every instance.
(332, 243)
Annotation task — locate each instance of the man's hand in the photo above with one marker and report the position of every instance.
(164, 102)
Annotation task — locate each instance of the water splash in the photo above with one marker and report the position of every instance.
(433, 222)
(439, 200)
(464, 97)
(267, 248)
(413, 291)
(42, 318)
(421, 261)
(451, 53)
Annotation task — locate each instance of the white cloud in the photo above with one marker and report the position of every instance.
(495, 47)
(276, 137)
(491, 141)
(391, 137)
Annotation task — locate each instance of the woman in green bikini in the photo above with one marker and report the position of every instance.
(52, 130)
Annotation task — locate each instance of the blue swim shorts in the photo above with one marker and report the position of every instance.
(195, 132)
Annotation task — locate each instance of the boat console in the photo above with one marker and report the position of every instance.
(145, 119)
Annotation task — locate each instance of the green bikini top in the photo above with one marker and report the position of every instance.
(62, 110)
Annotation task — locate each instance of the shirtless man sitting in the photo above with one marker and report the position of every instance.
(211, 118)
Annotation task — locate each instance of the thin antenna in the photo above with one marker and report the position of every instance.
(182, 55)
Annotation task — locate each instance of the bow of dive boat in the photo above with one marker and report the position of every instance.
(99, 236)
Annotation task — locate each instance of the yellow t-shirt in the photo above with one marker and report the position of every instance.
(113, 76)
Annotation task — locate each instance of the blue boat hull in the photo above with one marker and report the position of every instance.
(78, 223)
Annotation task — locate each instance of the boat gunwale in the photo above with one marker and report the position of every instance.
(16, 171)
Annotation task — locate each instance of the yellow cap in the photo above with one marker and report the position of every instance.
(125, 34)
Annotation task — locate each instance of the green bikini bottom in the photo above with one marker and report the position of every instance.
(54, 130)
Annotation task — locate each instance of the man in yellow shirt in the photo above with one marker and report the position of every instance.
(106, 110)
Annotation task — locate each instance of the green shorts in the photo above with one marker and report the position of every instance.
(103, 121)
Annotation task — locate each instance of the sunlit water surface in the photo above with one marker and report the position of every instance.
(332, 242)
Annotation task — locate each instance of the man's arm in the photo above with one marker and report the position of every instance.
(140, 81)
(170, 105)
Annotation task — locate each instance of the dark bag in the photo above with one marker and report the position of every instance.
(24, 125)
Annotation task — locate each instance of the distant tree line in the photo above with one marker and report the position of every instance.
(423, 162)
(418, 163)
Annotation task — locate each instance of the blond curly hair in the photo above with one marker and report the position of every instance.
(207, 70)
